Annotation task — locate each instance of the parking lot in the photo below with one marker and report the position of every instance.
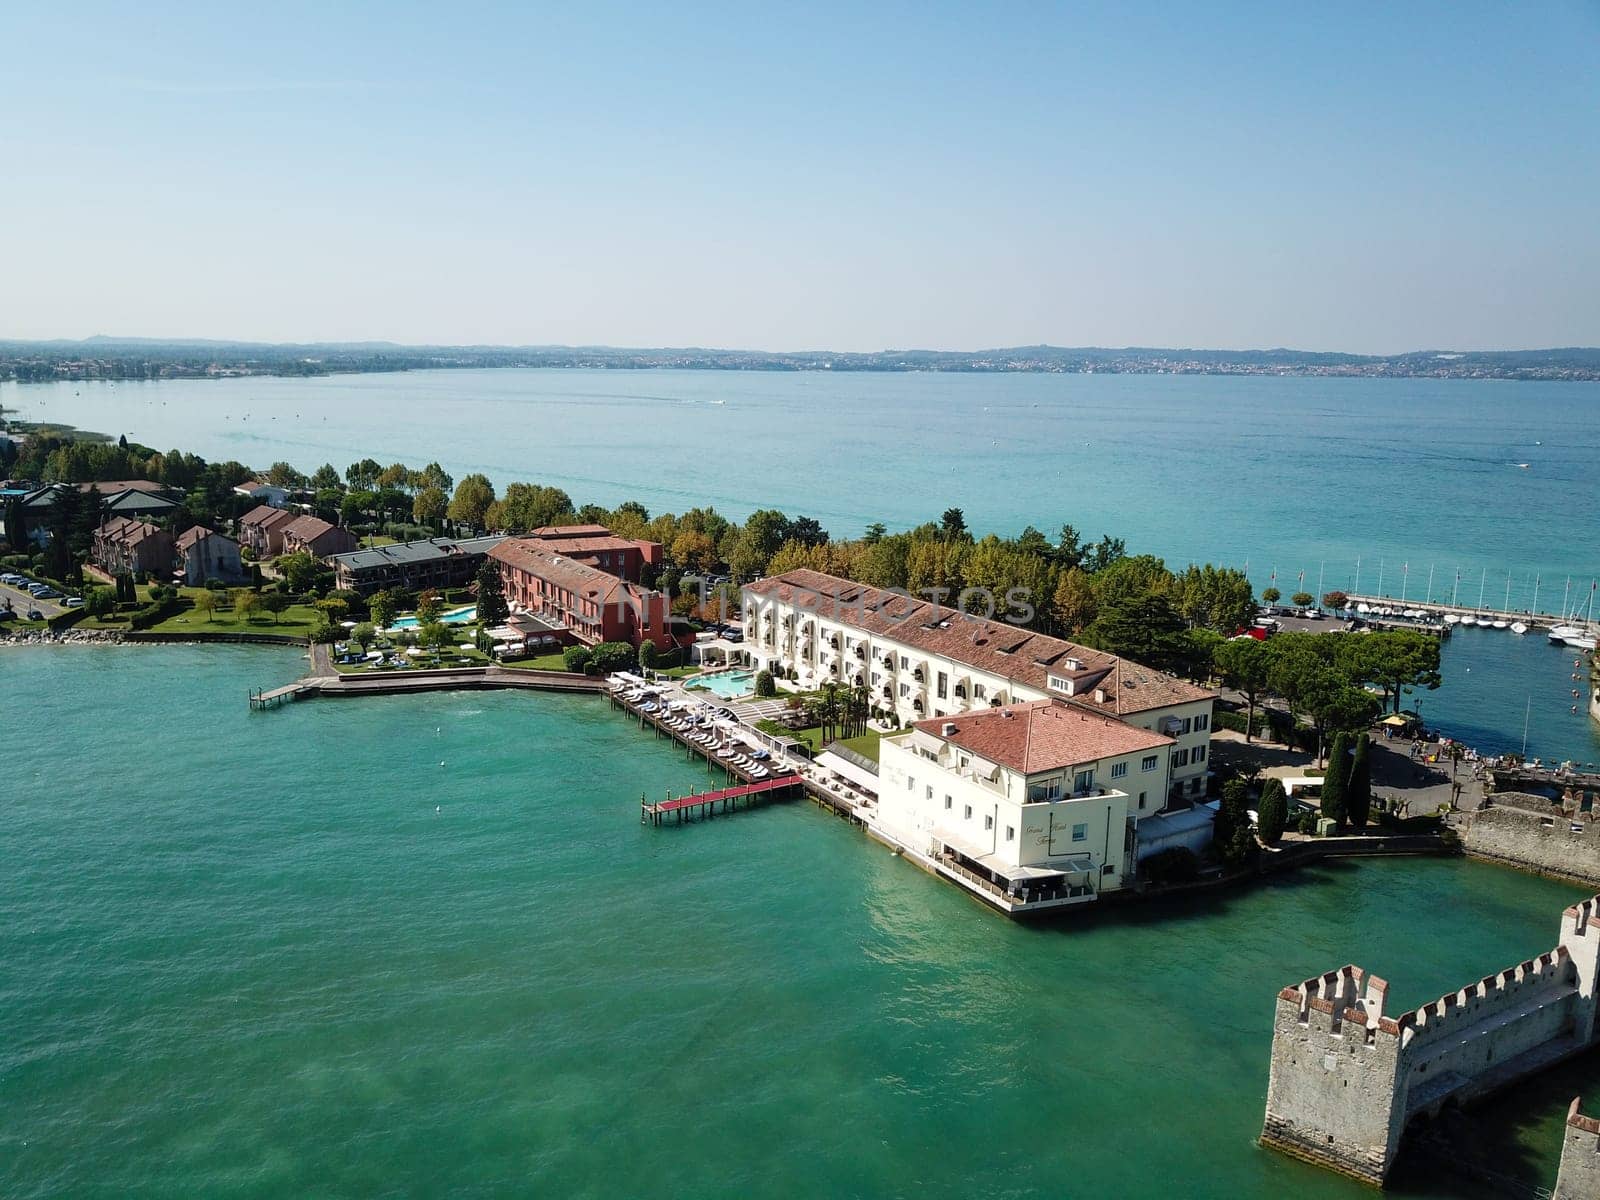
(21, 601)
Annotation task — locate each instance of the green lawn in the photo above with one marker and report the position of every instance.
(295, 621)
(865, 745)
(678, 672)
(538, 662)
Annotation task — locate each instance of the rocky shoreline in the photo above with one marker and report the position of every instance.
(36, 637)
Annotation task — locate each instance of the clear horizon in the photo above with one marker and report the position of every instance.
(1371, 181)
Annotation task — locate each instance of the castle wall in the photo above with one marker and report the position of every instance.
(1345, 1078)
(1579, 1178)
(1549, 842)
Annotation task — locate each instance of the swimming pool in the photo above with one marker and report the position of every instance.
(730, 685)
(456, 616)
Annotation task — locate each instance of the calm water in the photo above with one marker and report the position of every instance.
(1292, 475)
(422, 945)
(1297, 474)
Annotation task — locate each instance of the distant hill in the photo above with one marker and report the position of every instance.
(113, 357)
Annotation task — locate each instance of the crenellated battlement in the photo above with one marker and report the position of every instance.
(1552, 971)
(1346, 1076)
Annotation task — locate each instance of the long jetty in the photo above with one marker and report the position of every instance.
(1439, 610)
(706, 804)
(449, 679)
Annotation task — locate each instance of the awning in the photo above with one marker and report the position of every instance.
(1398, 720)
(848, 770)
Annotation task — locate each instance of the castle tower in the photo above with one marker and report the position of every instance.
(1334, 1093)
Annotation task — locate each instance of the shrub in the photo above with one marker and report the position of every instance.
(325, 632)
(765, 687)
(1308, 822)
(575, 658)
(611, 656)
(101, 601)
(1176, 864)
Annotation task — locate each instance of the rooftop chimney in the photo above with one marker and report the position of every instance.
(948, 729)
(1099, 695)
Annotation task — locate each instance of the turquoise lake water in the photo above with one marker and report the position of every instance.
(421, 945)
(1296, 475)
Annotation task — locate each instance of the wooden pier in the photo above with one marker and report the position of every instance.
(708, 804)
(260, 700)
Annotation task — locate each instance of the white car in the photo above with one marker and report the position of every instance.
(73, 602)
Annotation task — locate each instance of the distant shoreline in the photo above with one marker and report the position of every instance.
(131, 359)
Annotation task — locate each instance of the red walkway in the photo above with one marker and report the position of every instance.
(744, 789)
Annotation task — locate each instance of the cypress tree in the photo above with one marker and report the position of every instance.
(1335, 784)
(1358, 798)
(1273, 812)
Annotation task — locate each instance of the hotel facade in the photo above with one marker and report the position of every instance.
(1030, 763)
(923, 660)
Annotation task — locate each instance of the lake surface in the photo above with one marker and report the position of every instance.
(1283, 475)
(1301, 475)
(422, 945)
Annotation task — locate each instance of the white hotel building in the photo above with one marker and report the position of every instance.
(953, 677)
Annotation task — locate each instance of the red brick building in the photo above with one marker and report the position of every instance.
(595, 605)
(317, 537)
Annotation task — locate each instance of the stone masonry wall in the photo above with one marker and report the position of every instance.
(1580, 1158)
(1551, 842)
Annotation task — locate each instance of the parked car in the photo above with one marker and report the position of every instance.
(35, 615)
(73, 602)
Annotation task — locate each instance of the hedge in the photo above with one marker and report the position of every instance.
(154, 613)
(66, 619)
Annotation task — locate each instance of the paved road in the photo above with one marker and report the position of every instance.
(22, 602)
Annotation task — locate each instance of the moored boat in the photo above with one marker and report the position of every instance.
(1519, 627)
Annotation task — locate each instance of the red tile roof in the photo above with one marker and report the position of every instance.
(307, 528)
(127, 530)
(265, 516)
(1043, 735)
(112, 487)
(194, 534)
(551, 532)
(994, 647)
(542, 561)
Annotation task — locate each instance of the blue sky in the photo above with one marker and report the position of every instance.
(1365, 177)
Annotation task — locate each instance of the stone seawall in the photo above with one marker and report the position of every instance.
(1535, 834)
(1579, 1178)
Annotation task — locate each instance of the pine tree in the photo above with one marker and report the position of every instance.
(1336, 783)
(1358, 799)
(1273, 812)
